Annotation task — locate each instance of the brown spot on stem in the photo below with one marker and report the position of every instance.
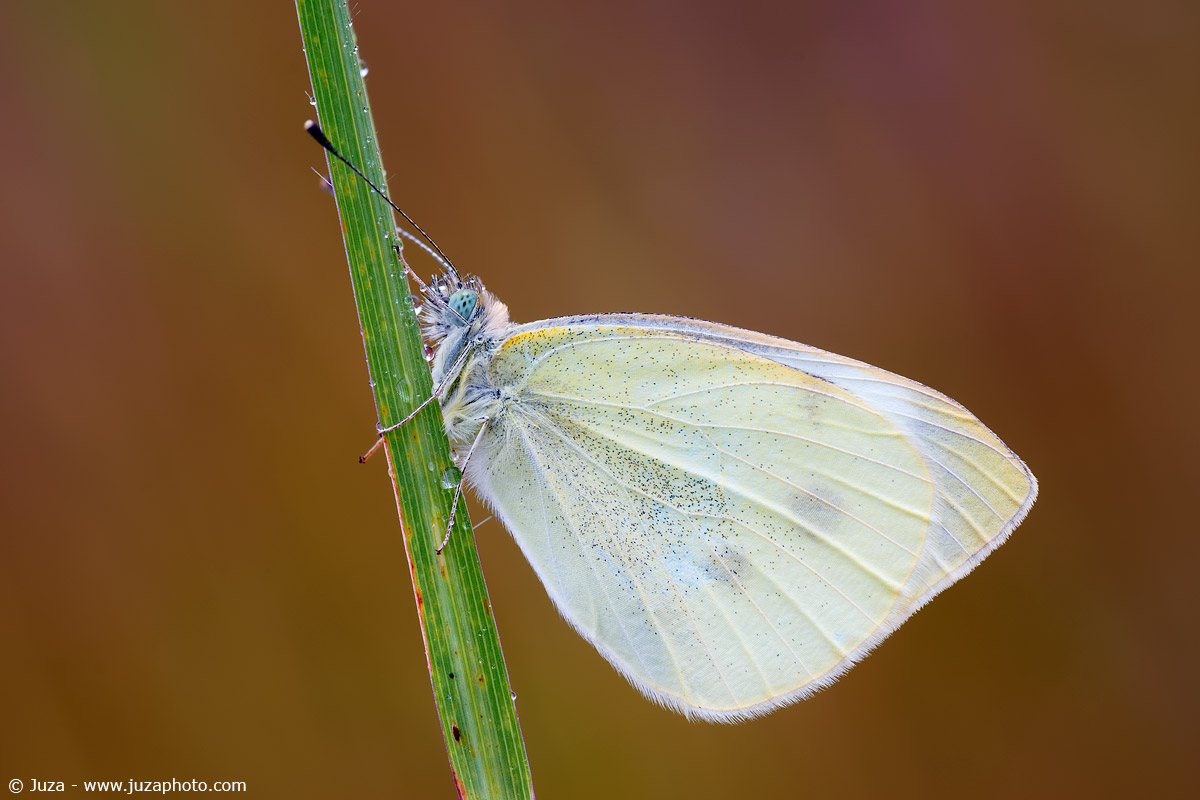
(456, 732)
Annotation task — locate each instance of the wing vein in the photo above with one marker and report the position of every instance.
(802, 563)
(689, 393)
(651, 540)
(882, 580)
(745, 494)
(973, 490)
(562, 501)
(770, 624)
(811, 493)
(770, 431)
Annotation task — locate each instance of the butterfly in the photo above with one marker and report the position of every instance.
(731, 519)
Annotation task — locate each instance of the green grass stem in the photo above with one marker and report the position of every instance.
(466, 667)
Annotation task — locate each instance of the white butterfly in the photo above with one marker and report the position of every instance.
(732, 520)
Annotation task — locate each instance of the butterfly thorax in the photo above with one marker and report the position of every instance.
(466, 324)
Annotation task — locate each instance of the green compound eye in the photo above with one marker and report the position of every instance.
(462, 303)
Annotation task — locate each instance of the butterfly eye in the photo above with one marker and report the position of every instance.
(462, 303)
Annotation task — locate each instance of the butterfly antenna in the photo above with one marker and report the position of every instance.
(428, 293)
(327, 186)
(314, 130)
(445, 265)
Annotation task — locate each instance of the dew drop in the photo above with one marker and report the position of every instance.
(512, 694)
(451, 478)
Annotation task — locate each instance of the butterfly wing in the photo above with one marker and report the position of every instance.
(731, 519)
(982, 489)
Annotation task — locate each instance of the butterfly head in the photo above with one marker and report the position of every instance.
(452, 303)
(462, 306)
(458, 310)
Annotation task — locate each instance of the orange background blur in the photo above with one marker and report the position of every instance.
(198, 581)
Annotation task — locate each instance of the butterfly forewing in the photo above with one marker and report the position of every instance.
(982, 490)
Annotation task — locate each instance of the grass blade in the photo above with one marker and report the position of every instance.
(466, 666)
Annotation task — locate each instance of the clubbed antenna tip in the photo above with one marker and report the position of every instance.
(314, 130)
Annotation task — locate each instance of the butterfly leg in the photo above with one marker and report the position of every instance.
(378, 444)
(381, 431)
(458, 489)
(407, 269)
(437, 392)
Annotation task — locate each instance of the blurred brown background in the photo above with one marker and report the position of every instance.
(198, 581)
